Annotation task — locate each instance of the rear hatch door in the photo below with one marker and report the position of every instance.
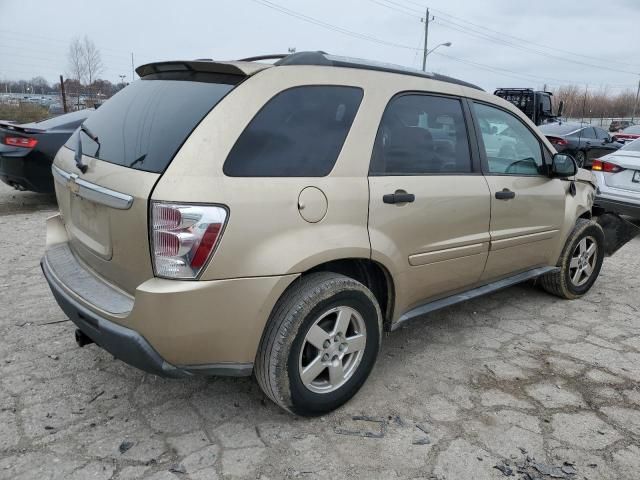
(126, 145)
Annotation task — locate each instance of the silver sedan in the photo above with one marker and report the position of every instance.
(618, 176)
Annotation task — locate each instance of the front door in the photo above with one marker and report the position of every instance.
(527, 207)
(428, 204)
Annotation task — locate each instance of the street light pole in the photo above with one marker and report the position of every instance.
(635, 104)
(446, 44)
(427, 19)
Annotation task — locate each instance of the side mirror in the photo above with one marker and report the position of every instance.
(563, 166)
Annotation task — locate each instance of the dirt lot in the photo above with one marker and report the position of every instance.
(519, 380)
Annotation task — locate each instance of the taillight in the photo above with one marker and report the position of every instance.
(183, 237)
(557, 141)
(26, 142)
(601, 166)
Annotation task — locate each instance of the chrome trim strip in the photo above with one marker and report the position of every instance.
(91, 191)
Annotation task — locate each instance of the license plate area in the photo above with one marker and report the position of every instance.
(89, 226)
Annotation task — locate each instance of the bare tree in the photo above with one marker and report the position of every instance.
(92, 60)
(39, 84)
(77, 66)
(76, 60)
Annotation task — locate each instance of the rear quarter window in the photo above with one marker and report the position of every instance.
(298, 133)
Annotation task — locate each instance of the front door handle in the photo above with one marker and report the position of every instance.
(505, 194)
(400, 196)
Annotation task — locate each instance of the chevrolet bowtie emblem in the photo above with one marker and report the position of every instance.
(73, 186)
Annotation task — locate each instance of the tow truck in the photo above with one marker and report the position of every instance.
(537, 105)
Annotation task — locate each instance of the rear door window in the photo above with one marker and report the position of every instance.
(420, 135)
(588, 133)
(298, 133)
(601, 134)
(144, 125)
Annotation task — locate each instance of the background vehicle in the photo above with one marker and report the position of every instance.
(27, 150)
(536, 105)
(584, 143)
(618, 176)
(628, 134)
(617, 125)
(237, 217)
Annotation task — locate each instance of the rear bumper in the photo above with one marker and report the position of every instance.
(27, 173)
(123, 343)
(617, 206)
(168, 327)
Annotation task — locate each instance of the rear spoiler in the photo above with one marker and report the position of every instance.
(18, 128)
(241, 68)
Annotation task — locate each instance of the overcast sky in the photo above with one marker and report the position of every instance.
(495, 42)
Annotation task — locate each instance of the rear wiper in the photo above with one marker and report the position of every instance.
(78, 157)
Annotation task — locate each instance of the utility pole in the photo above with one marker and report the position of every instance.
(426, 21)
(64, 96)
(132, 77)
(635, 105)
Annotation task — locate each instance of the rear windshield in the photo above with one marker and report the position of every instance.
(632, 129)
(558, 129)
(144, 125)
(633, 146)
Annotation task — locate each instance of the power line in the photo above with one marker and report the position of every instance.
(344, 31)
(351, 33)
(475, 33)
(386, 3)
(527, 42)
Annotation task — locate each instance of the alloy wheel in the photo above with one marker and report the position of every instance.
(583, 261)
(332, 349)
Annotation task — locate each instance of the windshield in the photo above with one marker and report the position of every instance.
(632, 146)
(144, 125)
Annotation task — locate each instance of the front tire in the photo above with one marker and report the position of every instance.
(580, 262)
(320, 344)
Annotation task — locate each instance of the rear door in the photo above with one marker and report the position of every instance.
(429, 204)
(604, 144)
(127, 144)
(527, 207)
(590, 144)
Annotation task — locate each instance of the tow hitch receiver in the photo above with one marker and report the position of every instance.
(81, 338)
(617, 231)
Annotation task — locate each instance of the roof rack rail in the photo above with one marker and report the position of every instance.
(324, 59)
(275, 56)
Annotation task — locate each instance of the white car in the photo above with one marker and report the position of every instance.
(618, 176)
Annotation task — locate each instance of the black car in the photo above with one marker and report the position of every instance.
(27, 150)
(584, 142)
(617, 125)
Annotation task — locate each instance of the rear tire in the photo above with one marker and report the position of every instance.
(581, 158)
(320, 344)
(580, 262)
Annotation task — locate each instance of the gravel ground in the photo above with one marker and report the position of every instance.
(518, 380)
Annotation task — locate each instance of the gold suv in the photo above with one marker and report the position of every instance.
(238, 218)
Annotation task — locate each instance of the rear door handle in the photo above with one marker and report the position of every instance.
(400, 196)
(505, 194)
